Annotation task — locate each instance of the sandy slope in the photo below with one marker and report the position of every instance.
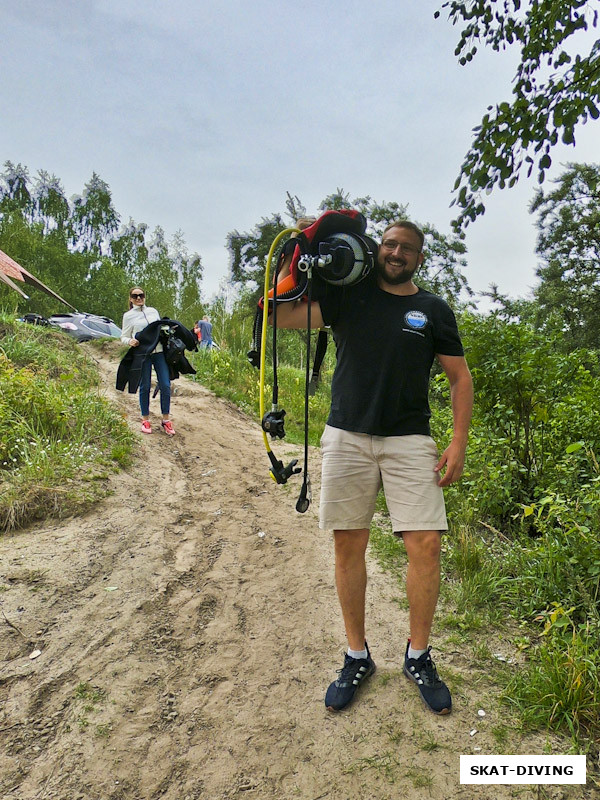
(188, 628)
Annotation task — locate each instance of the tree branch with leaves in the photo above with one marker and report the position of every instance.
(554, 90)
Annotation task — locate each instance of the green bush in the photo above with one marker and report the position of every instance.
(57, 430)
(536, 423)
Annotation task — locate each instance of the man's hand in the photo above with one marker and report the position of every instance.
(461, 395)
(453, 459)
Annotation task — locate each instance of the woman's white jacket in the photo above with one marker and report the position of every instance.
(135, 320)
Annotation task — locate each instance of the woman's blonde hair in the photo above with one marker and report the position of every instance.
(133, 289)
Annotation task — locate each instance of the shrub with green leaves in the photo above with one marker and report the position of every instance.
(536, 422)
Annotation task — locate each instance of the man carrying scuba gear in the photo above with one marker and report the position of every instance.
(387, 332)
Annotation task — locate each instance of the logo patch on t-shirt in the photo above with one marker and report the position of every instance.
(416, 320)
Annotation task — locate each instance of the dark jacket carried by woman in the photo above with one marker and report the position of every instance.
(130, 368)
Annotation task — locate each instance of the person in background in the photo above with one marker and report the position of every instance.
(205, 328)
(135, 320)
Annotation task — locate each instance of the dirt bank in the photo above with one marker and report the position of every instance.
(188, 628)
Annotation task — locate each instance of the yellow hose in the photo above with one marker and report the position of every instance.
(263, 337)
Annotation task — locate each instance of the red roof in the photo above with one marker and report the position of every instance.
(10, 267)
(10, 270)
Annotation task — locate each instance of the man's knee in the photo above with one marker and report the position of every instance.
(350, 545)
(423, 546)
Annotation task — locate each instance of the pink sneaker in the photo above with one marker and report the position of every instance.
(146, 427)
(167, 427)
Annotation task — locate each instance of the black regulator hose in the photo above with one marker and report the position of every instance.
(305, 492)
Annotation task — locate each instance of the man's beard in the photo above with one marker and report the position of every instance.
(398, 278)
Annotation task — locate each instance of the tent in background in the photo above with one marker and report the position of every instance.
(11, 271)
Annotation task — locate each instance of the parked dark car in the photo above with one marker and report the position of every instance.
(84, 327)
(81, 327)
(34, 319)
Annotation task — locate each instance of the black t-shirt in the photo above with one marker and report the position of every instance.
(385, 346)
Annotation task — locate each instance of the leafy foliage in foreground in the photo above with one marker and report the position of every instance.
(58, 434)
(536, 426)
(568, 222)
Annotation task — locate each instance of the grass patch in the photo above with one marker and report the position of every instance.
(59, 434)
(559, 687)
(386, 764)
(395, 735)
(428, 742)
(90, 694)
(103, 730)
(88, 698)
(499, 579)
(483, 583)
(388, 549)
(468, 622)
(231, 376)
(421, 779)
(502, 735)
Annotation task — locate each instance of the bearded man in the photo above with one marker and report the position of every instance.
(387, 332)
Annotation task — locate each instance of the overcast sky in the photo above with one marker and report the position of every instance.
(201, 115)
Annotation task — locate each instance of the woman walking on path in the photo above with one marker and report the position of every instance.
(135, 320)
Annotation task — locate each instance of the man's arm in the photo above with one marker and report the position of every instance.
(295, 315)
(461, 395)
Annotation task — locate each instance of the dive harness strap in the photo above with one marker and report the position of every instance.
(320, 350)
(305, 496)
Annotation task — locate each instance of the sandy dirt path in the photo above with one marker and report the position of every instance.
(188, 627)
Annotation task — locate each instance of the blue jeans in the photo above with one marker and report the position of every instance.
(164, 382)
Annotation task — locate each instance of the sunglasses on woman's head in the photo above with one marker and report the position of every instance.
(137, 296)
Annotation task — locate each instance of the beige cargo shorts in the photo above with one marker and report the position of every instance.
(357, 465)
